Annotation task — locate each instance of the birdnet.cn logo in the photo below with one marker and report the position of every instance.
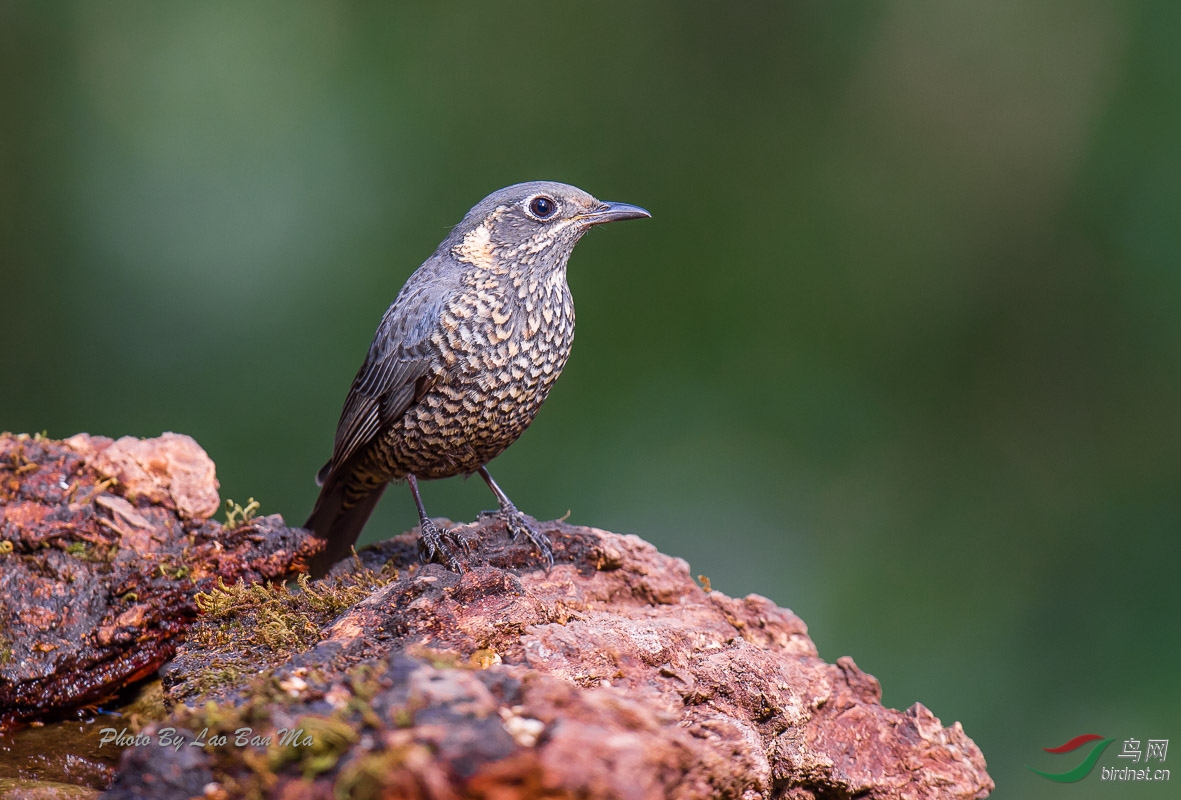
(1136, 768)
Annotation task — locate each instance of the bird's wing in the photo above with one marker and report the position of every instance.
(391, 378)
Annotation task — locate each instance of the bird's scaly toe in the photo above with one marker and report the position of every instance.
(520, 525)
(442, 546)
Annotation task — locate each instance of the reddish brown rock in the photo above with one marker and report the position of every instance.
(103, 546)
(171, 470)
(612, 675)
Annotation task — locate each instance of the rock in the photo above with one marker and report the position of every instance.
(612, 675)
(43, 790)
(103, 548)
(171, 470)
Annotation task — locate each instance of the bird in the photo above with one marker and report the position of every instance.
(460, 365)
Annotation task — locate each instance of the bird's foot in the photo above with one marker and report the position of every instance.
(520, 525)
(441, 545)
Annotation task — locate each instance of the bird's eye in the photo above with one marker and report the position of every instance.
(542, 207)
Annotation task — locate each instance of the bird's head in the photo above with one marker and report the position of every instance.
(532, 225)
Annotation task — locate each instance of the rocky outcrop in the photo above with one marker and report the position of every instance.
(104, 546)
(611, 675)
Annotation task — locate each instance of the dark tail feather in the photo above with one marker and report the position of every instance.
(336, 525)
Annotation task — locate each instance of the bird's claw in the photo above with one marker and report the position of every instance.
(441, 545)
(519, 525)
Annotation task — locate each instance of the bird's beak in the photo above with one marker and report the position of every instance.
(613, 212)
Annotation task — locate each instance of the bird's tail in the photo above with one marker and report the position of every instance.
(338, 518)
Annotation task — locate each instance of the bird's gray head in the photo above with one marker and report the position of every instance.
(532, 224)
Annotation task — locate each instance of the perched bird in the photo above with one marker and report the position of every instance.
(461, 363)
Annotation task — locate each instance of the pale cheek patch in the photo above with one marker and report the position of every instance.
(476, 248)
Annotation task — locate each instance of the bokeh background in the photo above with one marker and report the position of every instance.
(899, 349)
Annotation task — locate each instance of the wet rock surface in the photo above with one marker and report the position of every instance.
(103, 546)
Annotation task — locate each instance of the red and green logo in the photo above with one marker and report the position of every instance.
(1088, 763)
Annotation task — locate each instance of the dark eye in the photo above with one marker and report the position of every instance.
(542, 207)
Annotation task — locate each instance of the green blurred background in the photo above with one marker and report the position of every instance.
(900, 348)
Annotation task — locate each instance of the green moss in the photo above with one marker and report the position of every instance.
(172, 569)
(330, 739)
(88, 551)
(277, 622)
(211, 680)
(285, 620)
(365, 681)
(237, 516)
(371, 776)
(314, 744)
(244, 628)
(403, 718)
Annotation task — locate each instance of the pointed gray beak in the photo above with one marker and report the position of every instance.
(613, 212)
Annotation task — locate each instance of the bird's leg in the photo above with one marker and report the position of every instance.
(433, 540)
(516, 522)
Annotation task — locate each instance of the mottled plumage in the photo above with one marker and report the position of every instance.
(461, 361)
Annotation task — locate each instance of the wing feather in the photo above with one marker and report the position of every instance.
(401, 354)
